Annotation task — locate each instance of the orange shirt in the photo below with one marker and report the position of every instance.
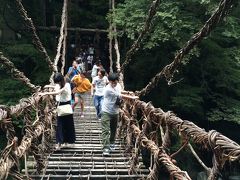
(82, 84)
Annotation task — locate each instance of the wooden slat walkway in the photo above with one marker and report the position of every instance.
(84, 160)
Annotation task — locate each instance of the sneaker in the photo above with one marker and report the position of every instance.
(57, 147)
(106, 152)
(64, 144)
(82, 116)
(99, 119)
(112, 146)
(71, 145)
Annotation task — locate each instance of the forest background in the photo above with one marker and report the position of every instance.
(208, 92)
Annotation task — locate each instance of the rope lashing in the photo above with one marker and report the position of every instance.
(223, 148)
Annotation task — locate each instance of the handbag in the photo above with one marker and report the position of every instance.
(64, 110)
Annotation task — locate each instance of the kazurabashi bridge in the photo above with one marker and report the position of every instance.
(142, 127)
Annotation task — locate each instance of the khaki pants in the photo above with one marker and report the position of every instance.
(109, 127)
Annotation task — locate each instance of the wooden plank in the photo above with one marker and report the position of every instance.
(90, 176)
(85, 160)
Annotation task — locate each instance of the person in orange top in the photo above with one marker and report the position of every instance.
(83, 85)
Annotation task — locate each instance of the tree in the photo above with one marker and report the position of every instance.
(201, 92)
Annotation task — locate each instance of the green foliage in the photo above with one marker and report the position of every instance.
(11, 91)
(169, 22)
(227, 109)
(189, 100)
(28, 60)
(88, 14)
(232, 29)
(210, 89)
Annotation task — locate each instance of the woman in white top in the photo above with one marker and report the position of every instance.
(65, 131)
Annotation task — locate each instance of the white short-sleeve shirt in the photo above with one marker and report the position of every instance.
(110, 97)
(99, 83)
(65, 95)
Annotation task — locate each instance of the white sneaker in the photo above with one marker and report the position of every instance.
(64, 144)
(57, 147)
(71, 145)
(106, 152)
(112, 147)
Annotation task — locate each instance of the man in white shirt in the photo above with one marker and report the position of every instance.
(98, 84)
(110, 112)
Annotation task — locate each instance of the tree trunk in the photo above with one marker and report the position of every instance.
(55, 28)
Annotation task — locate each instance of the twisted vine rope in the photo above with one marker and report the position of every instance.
(62, 38)
(169, 70)
(41, 126)
(29, 143)
(145, 135)
(223, 148)
(147, 25)
(16, 73)
(35, 37)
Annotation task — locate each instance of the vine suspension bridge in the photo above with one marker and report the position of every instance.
(141, 125)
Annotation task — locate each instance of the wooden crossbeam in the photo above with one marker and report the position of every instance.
(55, 28)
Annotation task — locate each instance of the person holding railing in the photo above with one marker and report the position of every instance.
(110, 112)
(65, 130)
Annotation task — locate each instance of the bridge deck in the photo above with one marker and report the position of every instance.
(84, 160)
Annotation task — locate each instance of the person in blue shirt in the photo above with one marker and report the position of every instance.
(72, 71)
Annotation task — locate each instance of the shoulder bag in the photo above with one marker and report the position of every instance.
(63, 110)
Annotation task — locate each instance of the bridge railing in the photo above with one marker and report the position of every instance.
(38, 116)
(38, 113)
(145, 126)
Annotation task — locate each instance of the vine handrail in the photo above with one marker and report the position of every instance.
(222, 147)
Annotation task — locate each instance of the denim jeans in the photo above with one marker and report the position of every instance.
(98, 100)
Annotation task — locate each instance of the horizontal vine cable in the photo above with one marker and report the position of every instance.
(135, 46)
(35, 37)
(32, 132)
(16, 73)
(161, 156)
(223, 148)
(169, 70)
(9, 157)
